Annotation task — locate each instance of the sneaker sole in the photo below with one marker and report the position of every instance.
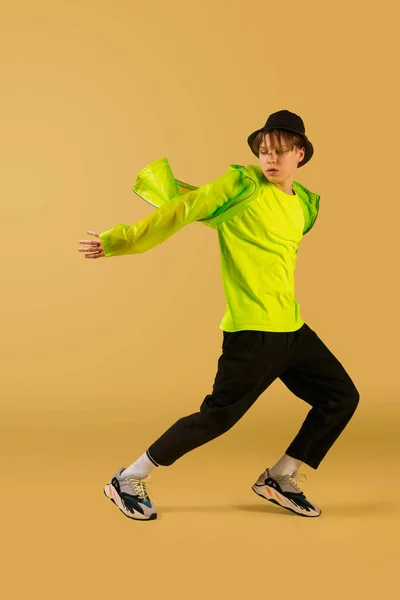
(112, 494)
(283, 502)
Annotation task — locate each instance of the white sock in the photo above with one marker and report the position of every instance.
(286, 466)
(140, 468)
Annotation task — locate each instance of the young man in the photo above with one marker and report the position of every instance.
(261, 215)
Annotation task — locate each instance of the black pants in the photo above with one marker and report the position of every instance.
(250, 362)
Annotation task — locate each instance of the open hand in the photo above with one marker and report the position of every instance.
(95, 250)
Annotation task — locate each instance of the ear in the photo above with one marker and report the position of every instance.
(302, 153)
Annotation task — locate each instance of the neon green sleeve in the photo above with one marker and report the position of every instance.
(171, 217)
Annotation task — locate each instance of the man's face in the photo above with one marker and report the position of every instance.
(283, 160)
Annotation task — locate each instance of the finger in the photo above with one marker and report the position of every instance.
(93, 233)
(92, 251)
(92, 242)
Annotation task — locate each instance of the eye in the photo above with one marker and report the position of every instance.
(262, 151)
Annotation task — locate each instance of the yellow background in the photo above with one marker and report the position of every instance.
(99, 357)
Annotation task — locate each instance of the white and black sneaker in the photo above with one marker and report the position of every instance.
(284, 492)
(131, 497)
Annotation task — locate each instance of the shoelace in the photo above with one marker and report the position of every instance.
(295, 478)
(139, 486)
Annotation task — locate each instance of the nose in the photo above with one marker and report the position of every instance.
(270, 158)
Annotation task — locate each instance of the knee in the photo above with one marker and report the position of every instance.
(216, 421)
(210, 424)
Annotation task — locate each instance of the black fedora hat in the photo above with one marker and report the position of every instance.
(284, 119)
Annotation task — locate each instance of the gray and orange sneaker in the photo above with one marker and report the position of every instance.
(131, 497)
(284, 492)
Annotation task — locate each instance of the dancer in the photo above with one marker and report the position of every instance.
(261, 214)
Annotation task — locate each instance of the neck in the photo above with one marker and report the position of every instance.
(284, 188)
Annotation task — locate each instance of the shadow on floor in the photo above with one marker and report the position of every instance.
(362, 509)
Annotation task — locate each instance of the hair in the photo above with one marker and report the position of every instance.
(289, 137)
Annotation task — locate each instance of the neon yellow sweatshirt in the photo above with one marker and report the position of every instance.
(259, 231)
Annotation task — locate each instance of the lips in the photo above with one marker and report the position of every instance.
(272, 170)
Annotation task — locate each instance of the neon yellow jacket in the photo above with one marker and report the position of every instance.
(179, 204)
(259, 231)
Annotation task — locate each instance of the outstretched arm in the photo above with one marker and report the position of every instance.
(171, 217)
